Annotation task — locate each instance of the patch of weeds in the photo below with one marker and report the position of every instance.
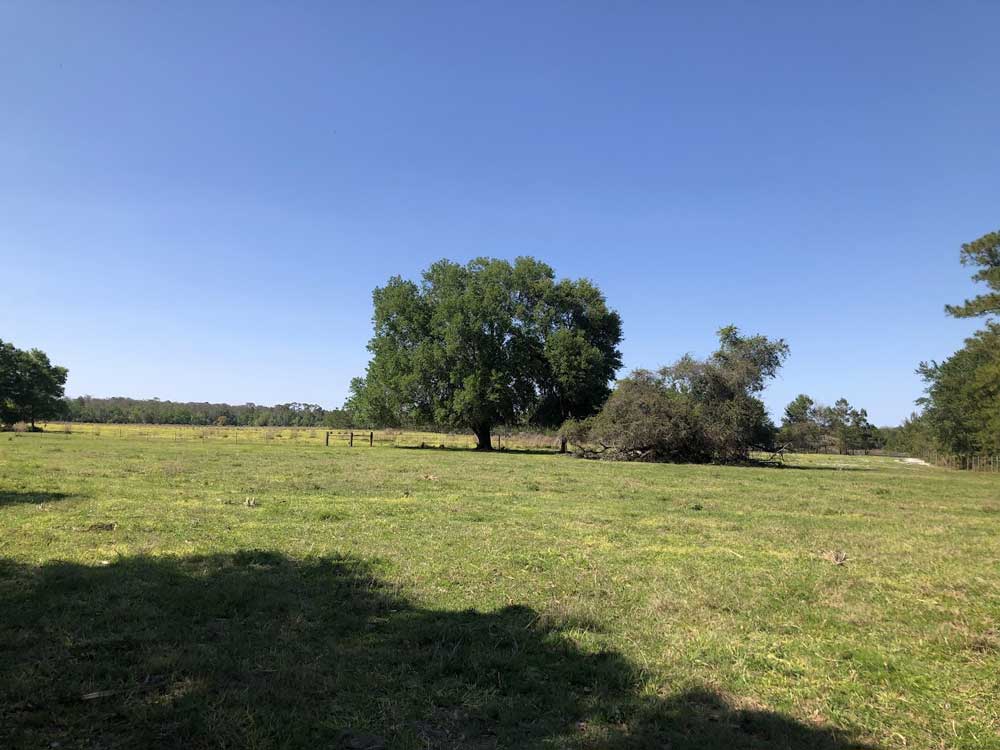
(837, 557)
(173, 469)
(986, 643)
(109, 526)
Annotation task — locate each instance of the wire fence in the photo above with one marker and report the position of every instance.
(319, 436)
(965, 463)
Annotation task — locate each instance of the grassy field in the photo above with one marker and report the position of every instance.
(276, 594)
(388, 438)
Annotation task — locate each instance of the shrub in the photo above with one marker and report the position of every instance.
(693, 410)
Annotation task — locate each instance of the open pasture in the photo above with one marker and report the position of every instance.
(339, 437)
(214, 593)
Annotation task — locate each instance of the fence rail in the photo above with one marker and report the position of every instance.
(351, 434)
(965, 463)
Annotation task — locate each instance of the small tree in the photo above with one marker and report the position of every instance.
(840, 427)
(800, 427)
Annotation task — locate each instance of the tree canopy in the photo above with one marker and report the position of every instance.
(962, 397)
(694, 410)
(913, 436)
(31, 387)
(487, 343)
(962, 401)
(984, 254)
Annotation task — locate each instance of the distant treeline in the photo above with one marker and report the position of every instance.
(121, 410)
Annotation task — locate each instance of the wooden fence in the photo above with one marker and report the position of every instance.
(351, 436)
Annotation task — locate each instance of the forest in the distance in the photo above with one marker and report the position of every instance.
(121, 410)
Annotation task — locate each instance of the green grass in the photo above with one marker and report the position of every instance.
(339, 437)
(206, 594)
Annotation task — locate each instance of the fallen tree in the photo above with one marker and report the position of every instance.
(694, 411)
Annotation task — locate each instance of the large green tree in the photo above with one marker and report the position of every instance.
(487, 343)
(962, 405)
(962, 401)
(31, 387)
(10, 382)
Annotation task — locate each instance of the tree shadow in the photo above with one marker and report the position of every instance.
(813, 467)
(12, 497)
(255, 649)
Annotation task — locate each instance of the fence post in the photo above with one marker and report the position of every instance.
(327, 439)
(350, 440)
(371, 439)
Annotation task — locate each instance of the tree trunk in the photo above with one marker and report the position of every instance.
(483, 438)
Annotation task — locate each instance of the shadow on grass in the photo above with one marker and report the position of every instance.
(9, 497)
(495, 452)
(800, 467)
(257, 650)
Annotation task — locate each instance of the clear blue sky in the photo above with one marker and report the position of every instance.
(197, 199)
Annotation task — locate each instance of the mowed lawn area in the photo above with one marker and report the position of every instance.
(194, 594)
